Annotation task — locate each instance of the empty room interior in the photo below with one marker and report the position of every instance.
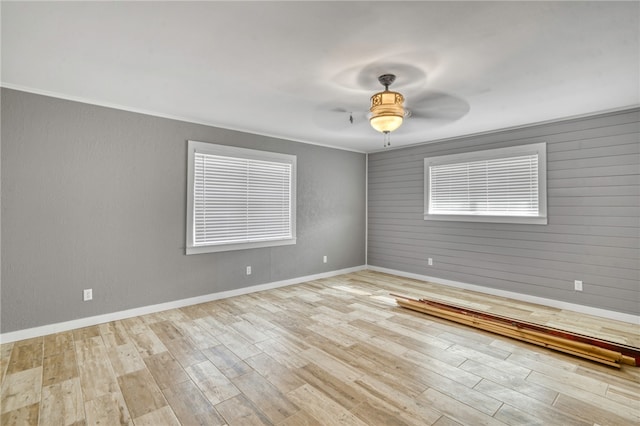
(320, 213)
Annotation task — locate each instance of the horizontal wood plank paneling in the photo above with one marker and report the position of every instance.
(593, 234)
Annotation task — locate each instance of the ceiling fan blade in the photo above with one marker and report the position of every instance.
(437, 106)
(430, 97)
(339, 110)
(438, 114)
(339, 118)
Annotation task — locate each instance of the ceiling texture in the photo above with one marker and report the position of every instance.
(300, 70)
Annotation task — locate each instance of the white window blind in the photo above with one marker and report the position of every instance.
(493, 185)
(240, 199)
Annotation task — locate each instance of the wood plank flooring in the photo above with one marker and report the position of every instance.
(335, 351)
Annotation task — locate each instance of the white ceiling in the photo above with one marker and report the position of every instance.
(295, 70)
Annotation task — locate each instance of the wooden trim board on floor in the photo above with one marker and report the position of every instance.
(598, 350)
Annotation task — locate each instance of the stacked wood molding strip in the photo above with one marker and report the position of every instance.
(598, 350)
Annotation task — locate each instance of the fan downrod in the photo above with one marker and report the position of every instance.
(386, 80)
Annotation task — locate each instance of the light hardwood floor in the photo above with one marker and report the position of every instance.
(329, 352)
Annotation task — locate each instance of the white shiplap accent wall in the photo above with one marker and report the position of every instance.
(593, 234)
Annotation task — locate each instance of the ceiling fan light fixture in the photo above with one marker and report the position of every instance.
(387, 111)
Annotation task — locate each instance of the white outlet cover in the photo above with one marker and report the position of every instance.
(87, 294)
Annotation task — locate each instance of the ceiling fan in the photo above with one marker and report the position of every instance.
(387, 112)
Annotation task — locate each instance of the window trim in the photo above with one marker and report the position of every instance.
(233, 151)
(537, 148)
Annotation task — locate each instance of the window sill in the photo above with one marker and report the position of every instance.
(238, 246)
(538, 220)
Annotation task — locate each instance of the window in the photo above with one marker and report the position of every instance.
(239, 198)
(496, 185)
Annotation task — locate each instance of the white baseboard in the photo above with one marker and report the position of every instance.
(114, 316)
(619, 316)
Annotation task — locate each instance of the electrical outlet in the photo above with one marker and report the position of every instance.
(324, 259)
(577, 285)
(430, 262)
(87, 294)
(248, 270)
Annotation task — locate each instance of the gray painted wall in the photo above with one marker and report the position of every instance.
(593, 234)
(94, 197)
